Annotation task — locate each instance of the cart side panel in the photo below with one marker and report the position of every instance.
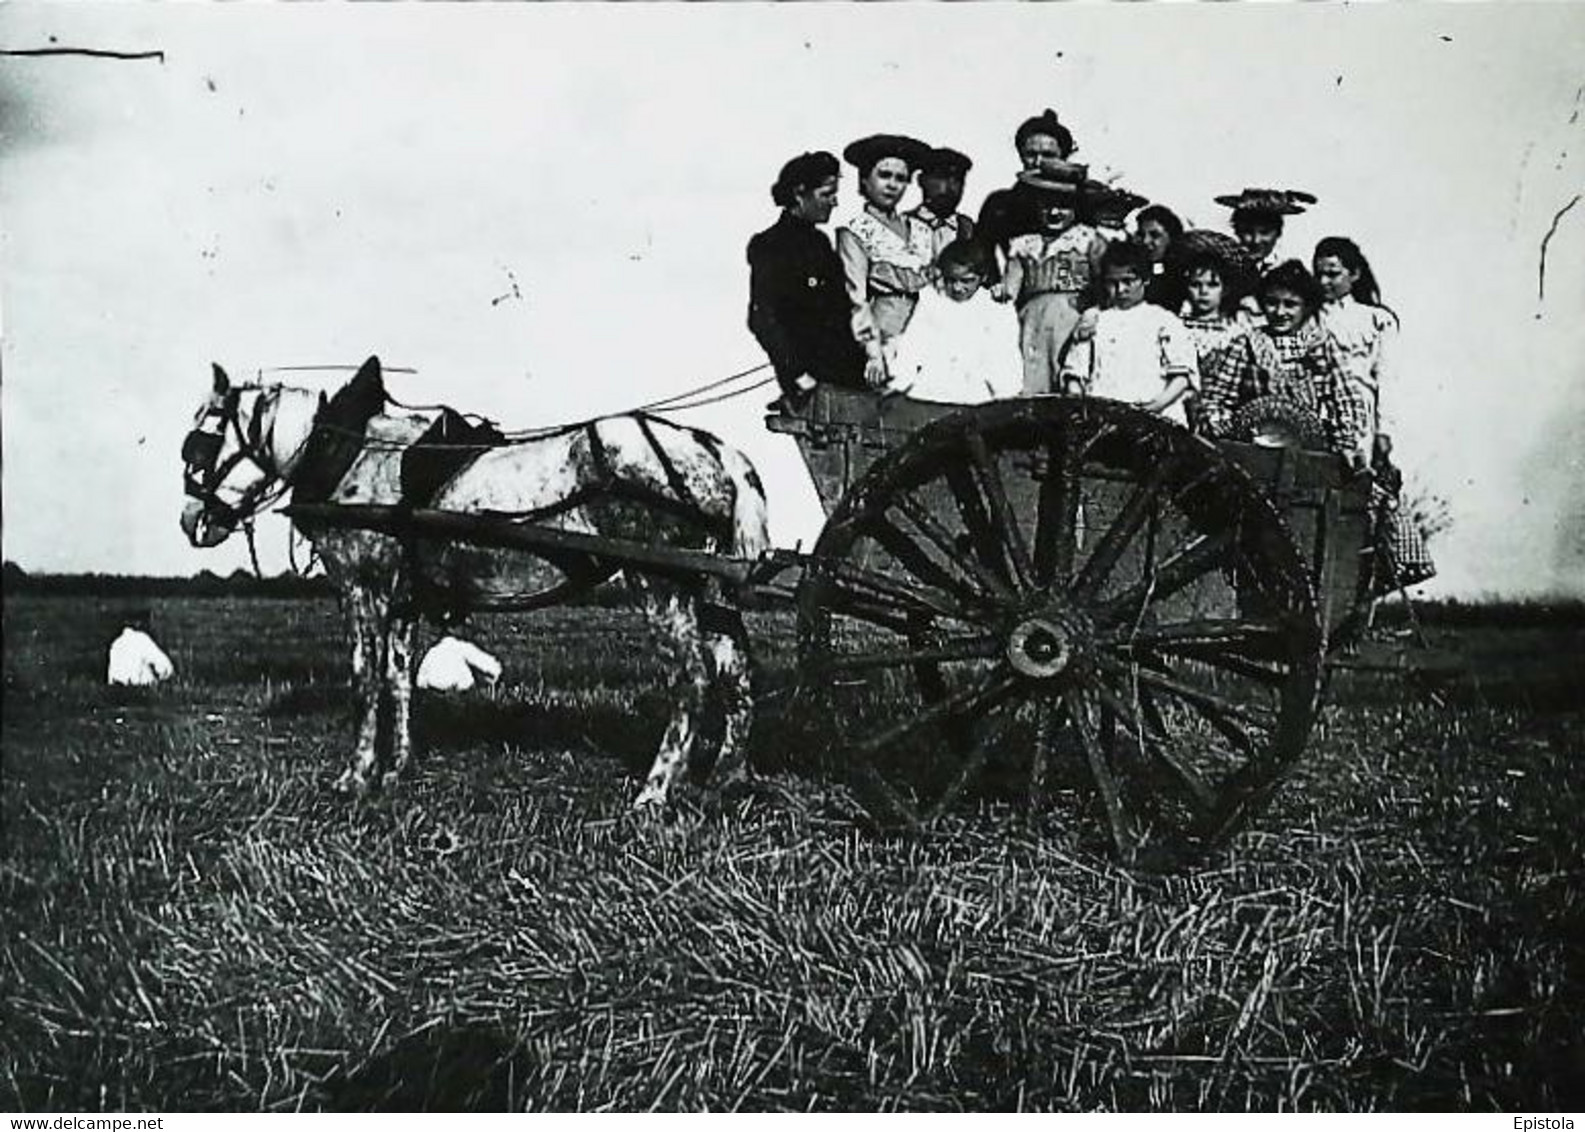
(1328, 511)
(841, 432)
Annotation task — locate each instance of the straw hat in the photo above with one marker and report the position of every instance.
(1065, 179)
(1277, 202)
(1203, 241)
(1274, 421)
(1111, 201)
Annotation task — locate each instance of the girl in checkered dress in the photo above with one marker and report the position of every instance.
(1293, 359)
(1211, 315)
(1363, 330)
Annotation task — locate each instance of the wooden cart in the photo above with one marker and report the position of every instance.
(1058, 597)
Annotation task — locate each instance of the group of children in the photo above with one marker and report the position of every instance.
(1206, 328)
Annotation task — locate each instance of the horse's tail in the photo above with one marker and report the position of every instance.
(750, 517)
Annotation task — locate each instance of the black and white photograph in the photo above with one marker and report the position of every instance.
(1003, 557)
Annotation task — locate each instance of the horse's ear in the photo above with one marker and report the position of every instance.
(370, 380)
(222, 382)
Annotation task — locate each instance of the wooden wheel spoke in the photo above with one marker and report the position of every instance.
(1182, 568)
(898, 804)
(965, 702)
(1236, 646)
(1057, 515)
(1101, 771)
(875, 588)
(985, 542)
(1150, 731)
(964, 648)
(1239, 665)
(1254, 631)
(1006, 522)
(1125, 525)
(932, 528)
(1049, 715)
(973, 759)
(1224, 714)
(917, 561)
(883, 616)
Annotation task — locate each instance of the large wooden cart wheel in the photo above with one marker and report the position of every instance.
(1082, 598)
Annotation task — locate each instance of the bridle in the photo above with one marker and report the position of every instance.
(204, 474)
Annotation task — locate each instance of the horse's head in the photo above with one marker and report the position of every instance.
(239, 454)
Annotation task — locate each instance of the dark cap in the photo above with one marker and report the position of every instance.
(946, 162)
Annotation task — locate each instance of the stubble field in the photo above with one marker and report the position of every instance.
(192, 920)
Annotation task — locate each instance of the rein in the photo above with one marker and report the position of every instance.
(204, 475)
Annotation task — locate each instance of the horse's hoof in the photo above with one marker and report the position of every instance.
(351, 785)
(389, 779)
(651, 800)
(740, 784)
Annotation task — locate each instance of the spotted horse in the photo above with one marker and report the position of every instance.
(632, 476)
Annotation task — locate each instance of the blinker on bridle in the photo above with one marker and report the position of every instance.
(202, 478)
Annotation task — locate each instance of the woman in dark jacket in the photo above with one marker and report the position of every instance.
(798, 305)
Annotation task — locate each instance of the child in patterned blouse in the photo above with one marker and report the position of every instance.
(1353, 314)
(1050, 272)
(1362, 329)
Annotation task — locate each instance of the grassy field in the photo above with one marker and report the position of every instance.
(191, 921)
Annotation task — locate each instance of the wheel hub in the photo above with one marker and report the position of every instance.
(1044, 647)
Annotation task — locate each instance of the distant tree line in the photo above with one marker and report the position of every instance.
(205, 583)
(1447, 612)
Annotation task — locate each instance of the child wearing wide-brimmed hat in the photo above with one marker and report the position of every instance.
(1258, 221)
(885, 254)
(1050, 272)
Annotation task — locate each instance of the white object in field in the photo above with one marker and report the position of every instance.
(136, 661)
(454, 664)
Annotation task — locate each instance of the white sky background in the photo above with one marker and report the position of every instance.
(301, 184)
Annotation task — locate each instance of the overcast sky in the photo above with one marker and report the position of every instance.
(308, 184)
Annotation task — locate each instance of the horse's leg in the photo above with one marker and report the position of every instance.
(365, 628)
(673, 614)
(400, 633)
(727, 646)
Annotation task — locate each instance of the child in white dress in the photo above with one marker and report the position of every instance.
(1139, 353)
(960, 348)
